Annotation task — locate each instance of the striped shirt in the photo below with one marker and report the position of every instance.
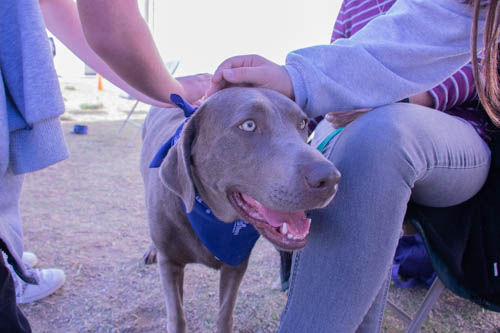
(456, 91)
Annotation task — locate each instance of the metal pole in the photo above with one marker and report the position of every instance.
(146, 11)
(149, 13)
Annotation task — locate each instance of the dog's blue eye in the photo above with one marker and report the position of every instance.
(248, 125)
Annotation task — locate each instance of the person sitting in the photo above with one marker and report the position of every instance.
(390, 155)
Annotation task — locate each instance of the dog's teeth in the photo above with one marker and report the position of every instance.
(284, 229)
(289, 236)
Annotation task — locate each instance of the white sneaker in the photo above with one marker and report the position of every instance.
(50, 279)
(29, 259)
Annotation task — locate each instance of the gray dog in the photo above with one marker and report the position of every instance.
(244, 152)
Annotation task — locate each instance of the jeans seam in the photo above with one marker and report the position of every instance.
(480, 165)
(381, 313)
(295, 268)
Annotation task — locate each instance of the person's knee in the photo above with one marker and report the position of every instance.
(382, 145)
(379, 134)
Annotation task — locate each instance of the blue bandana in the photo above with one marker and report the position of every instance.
(232, 242)
(188, 112)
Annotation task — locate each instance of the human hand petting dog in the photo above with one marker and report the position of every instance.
(256, 71)
(195, 87)
(251, 71)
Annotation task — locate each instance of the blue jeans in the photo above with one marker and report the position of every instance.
(387, 157)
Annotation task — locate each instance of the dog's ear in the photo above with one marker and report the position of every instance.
(175, 170)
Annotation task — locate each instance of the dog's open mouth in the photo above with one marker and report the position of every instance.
(287, 230)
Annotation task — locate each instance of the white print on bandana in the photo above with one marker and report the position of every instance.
(238, 225)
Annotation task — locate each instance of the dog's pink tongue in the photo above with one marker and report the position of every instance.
(297, 222)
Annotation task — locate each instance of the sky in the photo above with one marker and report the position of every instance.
(201, 34)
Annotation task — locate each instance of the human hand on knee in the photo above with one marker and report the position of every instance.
(343, 118)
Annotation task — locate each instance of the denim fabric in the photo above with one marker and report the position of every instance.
(387, 157)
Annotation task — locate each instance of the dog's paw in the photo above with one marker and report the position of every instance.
(149, 257)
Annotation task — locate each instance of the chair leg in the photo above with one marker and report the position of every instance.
(137, 132)
(430, 298)
(399, 312)
(128, 117)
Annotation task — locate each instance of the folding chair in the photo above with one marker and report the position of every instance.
(445, 279)
(430, 298)
(172, 67)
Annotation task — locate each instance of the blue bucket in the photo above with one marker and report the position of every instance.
(80, 129)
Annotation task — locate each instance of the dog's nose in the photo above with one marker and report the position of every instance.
(322, 175)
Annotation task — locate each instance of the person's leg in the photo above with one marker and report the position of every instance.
(285, 269)
(11, 235)
(372, 322)
(383, 157)
(11, 317)
(11, 229)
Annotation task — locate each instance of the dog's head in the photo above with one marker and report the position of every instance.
(246, 154)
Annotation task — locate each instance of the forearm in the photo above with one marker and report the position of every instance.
(380, 64)
(456, 90)
(116, 31)
(62, 19)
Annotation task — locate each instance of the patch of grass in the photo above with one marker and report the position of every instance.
(91, 106)
(65, 118)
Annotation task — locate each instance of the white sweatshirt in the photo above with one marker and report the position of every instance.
(414, 47)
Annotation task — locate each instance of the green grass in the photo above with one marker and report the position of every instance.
(91, 106)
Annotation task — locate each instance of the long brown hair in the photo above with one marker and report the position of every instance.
(486, 73)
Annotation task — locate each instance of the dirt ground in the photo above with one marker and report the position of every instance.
(87, 216)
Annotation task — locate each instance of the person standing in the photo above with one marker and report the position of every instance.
(31, 137)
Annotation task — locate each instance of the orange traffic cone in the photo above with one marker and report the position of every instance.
(99, 82)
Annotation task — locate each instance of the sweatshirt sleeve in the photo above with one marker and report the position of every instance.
(396, 55)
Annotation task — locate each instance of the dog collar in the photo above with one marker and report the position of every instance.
(230, 243)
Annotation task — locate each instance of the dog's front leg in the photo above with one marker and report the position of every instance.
(230, 279)
(172, 279)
